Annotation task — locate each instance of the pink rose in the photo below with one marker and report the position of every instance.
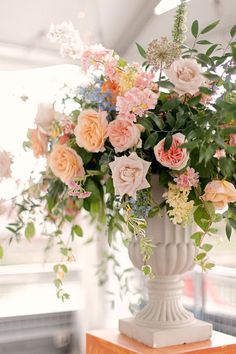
(5, 165)
(175, 158)
(129, 174)
(186, 75)
(45, 115)
(90, 132)
(232, 140)
(123, 134)
(220, 193)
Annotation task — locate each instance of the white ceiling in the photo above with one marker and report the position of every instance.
(116, 24)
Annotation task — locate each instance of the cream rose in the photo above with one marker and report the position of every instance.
(39, 142)
(5, 165)
(65, 163)
(45, 115)
(123, 134)
(220, 193)
(129, 174)
(186, 75)
(175, 158)
(91, 129)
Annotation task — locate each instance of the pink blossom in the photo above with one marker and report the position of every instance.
(95, 55)
(232, 140)
(144, 80)
(110, 67)
(219, 153)
(188, 179)
(176, 157)
(77, 190)
(136, 102)
(5, 164)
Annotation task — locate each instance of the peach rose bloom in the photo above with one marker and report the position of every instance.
(129, 174)
(220, 193)
(45, 115)
(65, 163)
(39, 142)
(123, 134)
(175, 158)
(91, 129)
(186, 75)
(5, 164)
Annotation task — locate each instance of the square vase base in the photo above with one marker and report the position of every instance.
(194, 332)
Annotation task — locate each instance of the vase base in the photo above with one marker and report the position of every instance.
(197, 331)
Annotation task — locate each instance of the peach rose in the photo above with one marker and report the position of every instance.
(91, 130)
(186, 75)
(175, 158)
(123, 134)
(129, 174)
(5, 165)
(65, 163)
(39, 142)
(220, 193)
(45, 115)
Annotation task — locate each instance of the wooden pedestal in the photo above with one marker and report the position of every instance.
(112, 342)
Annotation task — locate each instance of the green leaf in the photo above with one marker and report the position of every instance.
(194, 28)
(204, 42)
(209, 265)
(211, 76)
(170, 119)
(194, 100)
(57, 283)
(110, 186)
(146, 123)
(232, 223)
(168, 142)
(1, 252)
(207, 247)
(151, 140)
(166, 84)
(233, 49)
(170, 104)
(157, 120)
(85, 155)
(141, 50)
(197, 237)
(202, 218)
(210, 27)
(228, 230)
(201, 256)
(205, 91)
(211, 49)
(233, 31)
(76, 230)
(146, 269)
(92, 187)
(205, 59)
(29, 230)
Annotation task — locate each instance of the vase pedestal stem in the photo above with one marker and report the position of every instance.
(164, 321)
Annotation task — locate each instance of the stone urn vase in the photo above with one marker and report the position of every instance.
(164, 321)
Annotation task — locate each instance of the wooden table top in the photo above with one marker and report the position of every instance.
(109, 341)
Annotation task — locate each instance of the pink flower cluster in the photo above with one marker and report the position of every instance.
(76, 190)
(95, 55)
(188, 179)
(135, 103)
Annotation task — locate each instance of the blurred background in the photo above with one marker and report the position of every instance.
(32, 320)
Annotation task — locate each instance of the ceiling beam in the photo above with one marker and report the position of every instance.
(137, 23)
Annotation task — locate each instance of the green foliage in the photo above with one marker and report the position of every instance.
(29, 230)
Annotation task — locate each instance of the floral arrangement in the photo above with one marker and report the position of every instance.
(174, 116)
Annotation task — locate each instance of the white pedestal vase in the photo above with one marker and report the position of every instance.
(164, 321)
